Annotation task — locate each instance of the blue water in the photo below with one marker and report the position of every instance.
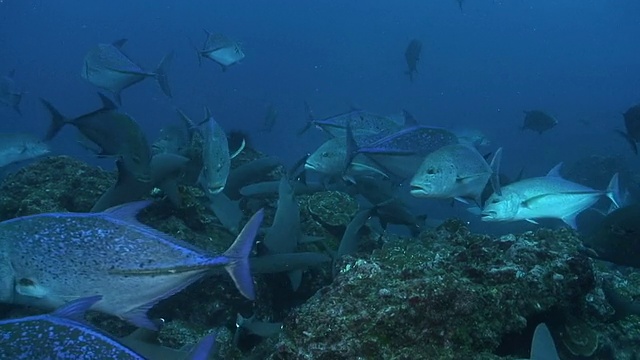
(480, 68)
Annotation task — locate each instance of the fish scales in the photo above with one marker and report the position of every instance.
(60, 257)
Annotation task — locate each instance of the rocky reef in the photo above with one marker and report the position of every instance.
(448, 294)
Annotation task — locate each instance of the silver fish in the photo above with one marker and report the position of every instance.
(108, 68)
(216, 160)
(453, 171)
(19, 147)
(220, 49)
(548, 196)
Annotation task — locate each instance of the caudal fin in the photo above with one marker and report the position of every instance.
(238, 254)
(57, 120)
(161, 74)
(613, 191)
(310, 119)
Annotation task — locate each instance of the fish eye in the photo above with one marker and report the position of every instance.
(325, 154)
(26, 282)
(431, 171)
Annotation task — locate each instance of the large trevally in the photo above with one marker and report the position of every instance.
(402, 152)
(454, 171)
(548, 196)
(9, 95)
(116, 133)
(329, 160)
(47, 260)
(108, 68)
(360, 121)
(65, 334)
(220, 49)
(216, 160)
(19, 147)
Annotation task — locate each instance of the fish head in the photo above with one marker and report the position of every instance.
(213, 179)
(503, 207)
(35, 149)
(433, 179)
(329, 158)
(138, 166)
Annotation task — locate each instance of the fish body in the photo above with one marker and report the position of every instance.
(548, 196)
(18, 147)
(473, 137)
(116, 133)
(9, 94)
(453, 171)
(216, 160)
(538, 121)
(616, 239)
(632, 127)
(64, 334)
(388, 205)
(416, 140)
(270, 119)
(412, 56)
(221, 49)
(361, 122)
(108, 68)
(61, 334)
(47, 260)
(330, 157)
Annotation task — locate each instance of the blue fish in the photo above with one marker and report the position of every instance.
(64, 335)
(47, 260)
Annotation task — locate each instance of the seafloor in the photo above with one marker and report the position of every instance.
(448, 294)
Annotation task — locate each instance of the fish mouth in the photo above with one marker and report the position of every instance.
(488, 215)
(310, 166)
(418, 191)
(215, 190)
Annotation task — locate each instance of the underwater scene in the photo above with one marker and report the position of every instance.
(320, 180)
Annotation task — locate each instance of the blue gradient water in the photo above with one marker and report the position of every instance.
(480, 68)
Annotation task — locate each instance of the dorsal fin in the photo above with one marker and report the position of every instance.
(555, 171)
(107, 104)
(119, 43)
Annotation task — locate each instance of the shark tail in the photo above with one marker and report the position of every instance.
(238, 254)
(161, 74)
(57, 120)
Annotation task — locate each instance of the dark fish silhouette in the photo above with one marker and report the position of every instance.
(412, 56)
(9, 94)
(116, 133)
(617, 238)
(538, 121)
(632, 127)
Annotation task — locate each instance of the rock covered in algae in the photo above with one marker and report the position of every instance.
(53, 184)
(333, 208)
(449, 295)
